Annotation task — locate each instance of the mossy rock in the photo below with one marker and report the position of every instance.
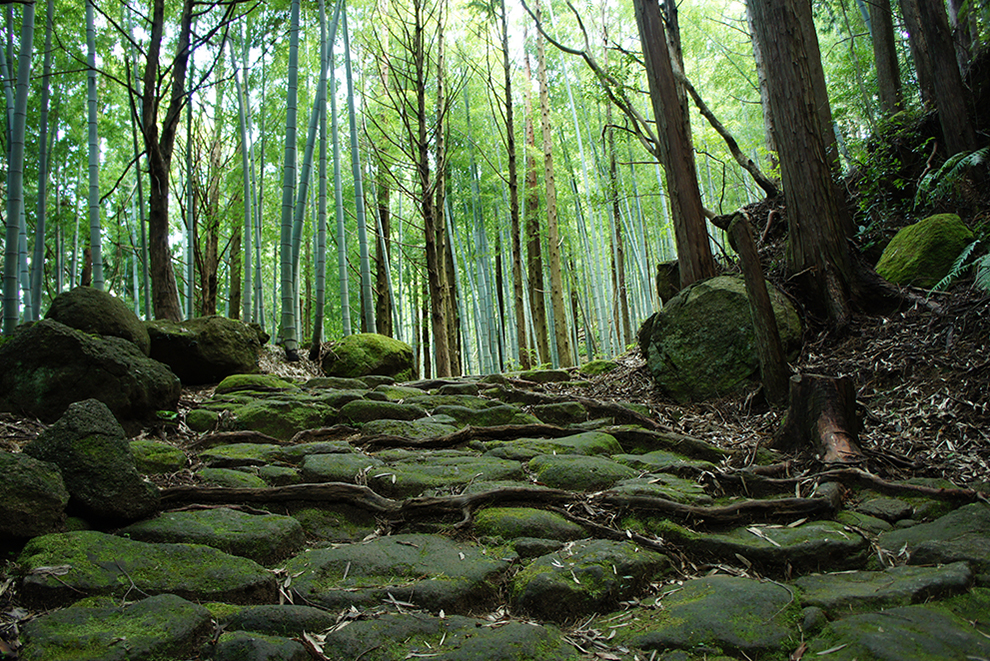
(96, 312)
(963, 534)
(585, 577)
(280, 620)
(417, 473)
(561, 414)
(578, 472)
(524, 449)
(239, 454)
(335, 383)
(340, 467)
(32, 496)
(418, 429)
(337, 523)
(922, 254)
(243, 645)
(156, 457)
(280, 476)
(206, 349)
(492, 416)
(100, 564)
(427, 570)
(285, 417)
(159, 627)
(668, 487)
(431, 402)
(545, 376)
(513, 522)
(257, 382)
(662, 461)
(366, 410)
(594, 368)
(202, 420)
(394, 393)
(739, 616)
(264, 538)
(228, 477)
(364, 354)
(703, 343)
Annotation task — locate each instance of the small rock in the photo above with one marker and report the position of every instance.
(579, 473)
(888, 509)
(156, 457)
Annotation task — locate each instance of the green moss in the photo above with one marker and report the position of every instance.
(222, 612)
(260, 382)
(923, 253)
(597, 367)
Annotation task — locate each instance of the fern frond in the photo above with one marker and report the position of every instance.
(982, 280)
(959, 266)
(939, 183)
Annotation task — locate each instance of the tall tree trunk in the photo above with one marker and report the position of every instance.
(885, 54)
(383, 249)
(564, 353)
(321, 226)
(95, 236)
(817, 220)
(918, 42)
(338, 192)
(38, 260)
(510, 145)
(534, 250)
(287, 267)
(159, 147)
(931, 45)
(240, 295)
(693, 250)
(618, 248)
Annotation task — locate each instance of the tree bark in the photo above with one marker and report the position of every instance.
(677, 156)
(885, 55)
(769, 131)
(534, 250)
(918, 41)
(822, 414)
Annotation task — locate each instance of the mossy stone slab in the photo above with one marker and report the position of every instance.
(338, 398)
(429, 571)
(336, 523)
(466, 388)
(439, 470)
(280, 476)
(665, 486)
(264, 538)
(101, 564)
(255, 382)
(336, 383)
(578, 472)
(545, 376)
(963, 534)
(247, 646)
(229, 477)
(202, 419)
(865, 522)
(662, 461)
(394, 393)
(156, 457)
(418, 429)
(729, 613)
(888, 509)
(585, 577)
(523, 449)
(280, 619)
(492, 416)
(855, 592)
(513, 522)
(431, 402)
(394, 637)
(908, 633)
(597, 367)
(297, 453)
(159, 627)
(813, 546)
(366, 410)
(239, 454)
(342, 467)
(284, 418)
(561, 413)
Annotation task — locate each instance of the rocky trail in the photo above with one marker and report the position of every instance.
(539, 515)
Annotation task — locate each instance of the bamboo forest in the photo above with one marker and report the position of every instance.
(490, 181)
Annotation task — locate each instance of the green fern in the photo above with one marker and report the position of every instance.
(938, 184)
(962, 262)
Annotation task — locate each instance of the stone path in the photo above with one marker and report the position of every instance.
(363, 520)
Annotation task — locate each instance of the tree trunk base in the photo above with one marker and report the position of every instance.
(822, 414)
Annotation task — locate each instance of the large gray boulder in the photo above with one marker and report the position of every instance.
(91, 451)
(206, 349)
(46, 366)
(702, 343)
(32, 496)
(97, 312)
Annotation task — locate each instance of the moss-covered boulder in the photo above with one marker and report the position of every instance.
(63, 567)
(260, 383)
(523, 449)
(597, 367)
(409, 473)
(96, 312)
(923, 253)
(366, 410)
(283, 417)
(561, 413)
(422, 428)
(338, 467)
(159, 627)
(702, 344)
(585, 577)
(364, 354)
(230, 477)
(280, 620)
(491, 416)
(264, 538)
(32, 496)
(963, 534)
(94, 457)
(246, 646)
(156, 457)
(46, 366)
(206, 349)
(427, 570)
